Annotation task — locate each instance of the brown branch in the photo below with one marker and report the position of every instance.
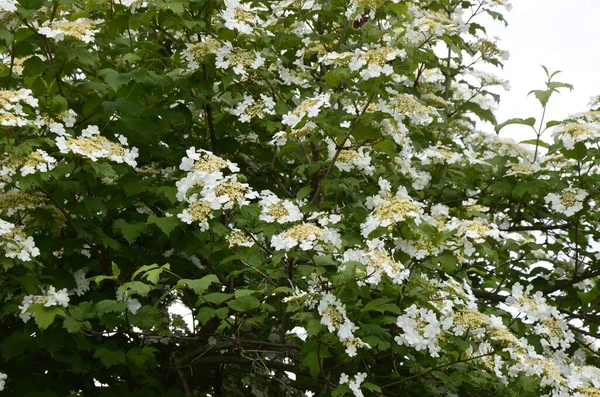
(184, 384)
(397, 382)
(216, 360)
(536, 227)
(340, 148)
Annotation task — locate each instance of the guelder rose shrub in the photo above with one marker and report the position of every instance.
(286, 198)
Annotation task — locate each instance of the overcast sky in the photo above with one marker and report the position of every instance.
(562, 35)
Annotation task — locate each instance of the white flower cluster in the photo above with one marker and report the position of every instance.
(350, 159)
(58, 125)
(238, 238)
(333, 315)
(406, 106)
(421, 330)
(250, 108)
(37, 161)
(196, 53)
(8, 6)
(299, 135)
(16, 62)
(240, 17)
(440, 154)
(572, 133)
(387, 210)
(83, 29)
(51, 297)
(355, 383)
(568, 202)
(549, 322)
(488, 146)
(15, 243)
(427, 24)
(239, 60)
(378, 262)
(476, 231)
(2, 375)
(308, 236)
(310, 107)
(82, 284)
(12, 112)
(205, 189)
(376, 61)
(454, 312)
(274, 209)
(92, 145)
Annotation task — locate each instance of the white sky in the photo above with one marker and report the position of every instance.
(562, 35)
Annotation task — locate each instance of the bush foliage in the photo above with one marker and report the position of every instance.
(286, 198)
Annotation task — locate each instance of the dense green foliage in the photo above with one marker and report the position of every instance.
(269, 198)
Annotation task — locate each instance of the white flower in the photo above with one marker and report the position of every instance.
(355, 383)
(83, 285)
(568, 202)
(240, 17)
(274, 209)
(2, 375)
(50, 298)
(350, 159)
(7, 6)
(299, 332)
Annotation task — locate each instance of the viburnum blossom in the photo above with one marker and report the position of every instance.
(51, 297)
(8, 6)
(294, 198)
(94, 146)
(82, 29)
(307, 236)
(568, 201)
(387, 210)
(15, 243)
(310, 107)
(274, 209)
(333, 316)
(355, 383)
(240, 16)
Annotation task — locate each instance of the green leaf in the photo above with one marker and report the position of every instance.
(110, 357)
(102, 170)
(115, 270)
(371, 387)
(131, 231)
(313, 360)
(555, 85)
(110, 306)
(142, 358)
(543, 96)
(136, 288)
(217, 297)
(44, 316)
(244, 304)
(113, 78)
(166, 224)
(536, 142)
(530, 122)
(303, 193)
(73, 326)
(143, 269)
(552, 123)
(199, 286)
(58, 104)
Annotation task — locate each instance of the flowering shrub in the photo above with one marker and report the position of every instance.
(291, 197)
